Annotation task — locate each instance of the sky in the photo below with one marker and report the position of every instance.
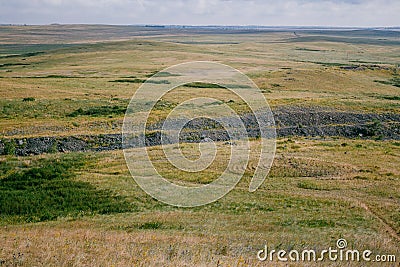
(352, 13)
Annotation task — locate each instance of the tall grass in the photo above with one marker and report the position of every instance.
(44, 190)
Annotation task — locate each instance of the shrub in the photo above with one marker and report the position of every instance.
(53, 148)
(150, 225)
(9, 147)
(375, 128)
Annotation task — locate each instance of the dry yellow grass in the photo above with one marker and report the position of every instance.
(317, 191)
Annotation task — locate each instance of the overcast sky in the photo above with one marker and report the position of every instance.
(204, 12)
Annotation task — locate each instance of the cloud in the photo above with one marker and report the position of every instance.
(204, 12)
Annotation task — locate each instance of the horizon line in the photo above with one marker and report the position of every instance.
(201, 25)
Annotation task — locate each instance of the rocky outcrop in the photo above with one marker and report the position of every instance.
(289, 121)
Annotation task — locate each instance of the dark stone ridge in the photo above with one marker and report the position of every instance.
(290, 121)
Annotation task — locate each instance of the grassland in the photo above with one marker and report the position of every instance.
(69, 209)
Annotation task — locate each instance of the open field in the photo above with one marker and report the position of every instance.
(336, 99)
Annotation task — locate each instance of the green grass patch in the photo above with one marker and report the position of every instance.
(29, 54)
(44, 190)
(396, 143)
(164, 105)
(390, 97)
(140, 81)
(9, 147)
(150, 225)
(28, 99)
(316, 223)
(13, 64)
(23, 49)
(395, 81)
(312, 186)
(57, 76)
(128, 81)
(203, 85)
(60, 108)
(308, 49)
(162, 74)
(213, 85)
(50, 76)
(99, 111)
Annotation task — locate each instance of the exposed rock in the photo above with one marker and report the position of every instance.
(289, 121)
